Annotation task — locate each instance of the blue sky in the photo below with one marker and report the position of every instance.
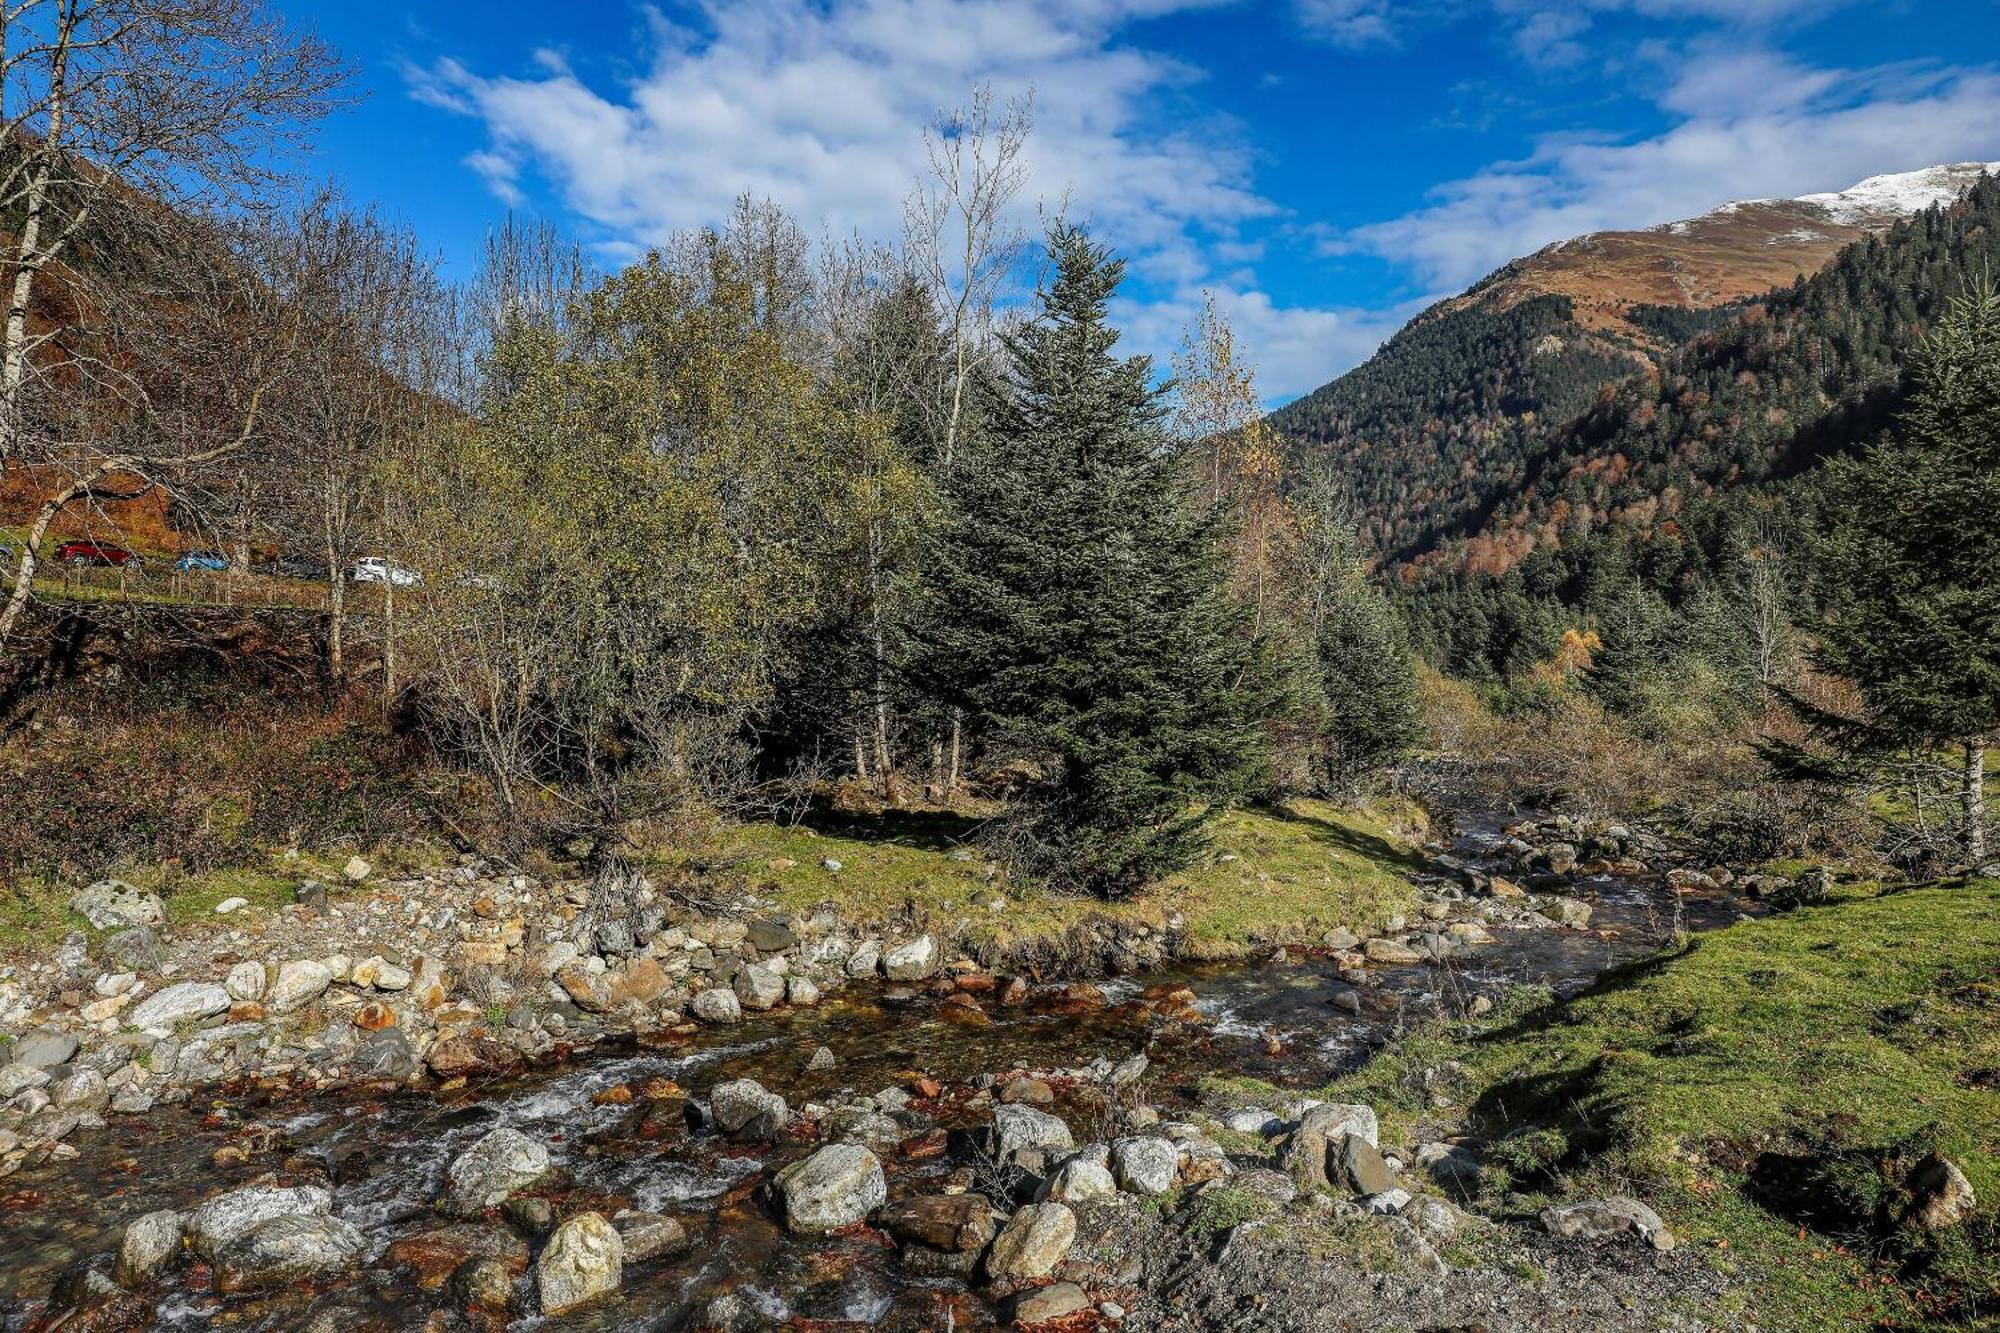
(1325, 167)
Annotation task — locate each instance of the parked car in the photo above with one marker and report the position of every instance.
(378, 569)
(101, 554)
(212, 562)
(294, 567)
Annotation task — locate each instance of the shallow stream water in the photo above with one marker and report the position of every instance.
(388, 1154)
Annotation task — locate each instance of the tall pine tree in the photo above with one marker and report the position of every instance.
(1912, 570)
(1079, 611)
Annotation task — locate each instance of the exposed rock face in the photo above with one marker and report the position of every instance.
(283, 1250)
(150, 1244)
(1034, 1241)
(1145, 1166)
(835, 1187)
(111, 904)
(228, 1217)
(958, 1222)
(583, 1261)
(186, 1002)
(914, 961)
(486, 1173)
(1607, 1219)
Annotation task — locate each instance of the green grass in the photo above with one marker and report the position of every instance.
(1767, 1087)
(1272, 876)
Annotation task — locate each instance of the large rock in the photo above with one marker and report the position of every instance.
(957, 1222)
(79, 1088)
(42, 1049)
(583, 1261)
(1035, 1239)
(284, 1250)
(759, 987)
(836, 1187)
(717, 1006)
(1572, 912)
(151, 1243)
(744, 1104)
(1042, 1304)
(112, 903)
(246, 981)
(1077, 1179)
(299, 983)
(1330, 1120)
(1607, 1219)
(1361, 1167)
(1940, 1195)
(1020, 1128)
(484, 1175)
(1145, 1166)
(914, 961)
(228, 1217)
(648, 1235)
(190, 1001)
(135, 948)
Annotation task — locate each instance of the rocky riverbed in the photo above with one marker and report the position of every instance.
(469, 1100)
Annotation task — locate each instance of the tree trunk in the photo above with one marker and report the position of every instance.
(336, 605)
(1975, 803)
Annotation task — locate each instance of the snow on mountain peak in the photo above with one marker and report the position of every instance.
(1897, 195)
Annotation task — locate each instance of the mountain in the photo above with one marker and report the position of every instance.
(1449, 432)
(1727, 255)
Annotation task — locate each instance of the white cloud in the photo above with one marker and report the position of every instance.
(820, 106)
(1749, 125)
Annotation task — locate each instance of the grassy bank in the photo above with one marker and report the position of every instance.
(1768, 1087)
(1274, 875)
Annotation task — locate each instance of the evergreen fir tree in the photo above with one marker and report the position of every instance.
(1078, 605)
(1369, 679)
(1912, 570)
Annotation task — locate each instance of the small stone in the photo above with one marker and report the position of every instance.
(1076, 1180)
(1362, 1168)
(356, 870)
(41, 1050)
(961, 1222)
(822, 1060)
(1941, 1196)
(1019, 1128)
(229, 905)
(110, 904)
(801, 991)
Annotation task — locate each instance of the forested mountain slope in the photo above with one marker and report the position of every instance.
(1516, 479)
(1455, 416)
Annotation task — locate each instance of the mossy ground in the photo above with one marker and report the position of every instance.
(1767, 1087)
(1273, 875)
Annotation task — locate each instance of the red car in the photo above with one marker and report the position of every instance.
(96, 553)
